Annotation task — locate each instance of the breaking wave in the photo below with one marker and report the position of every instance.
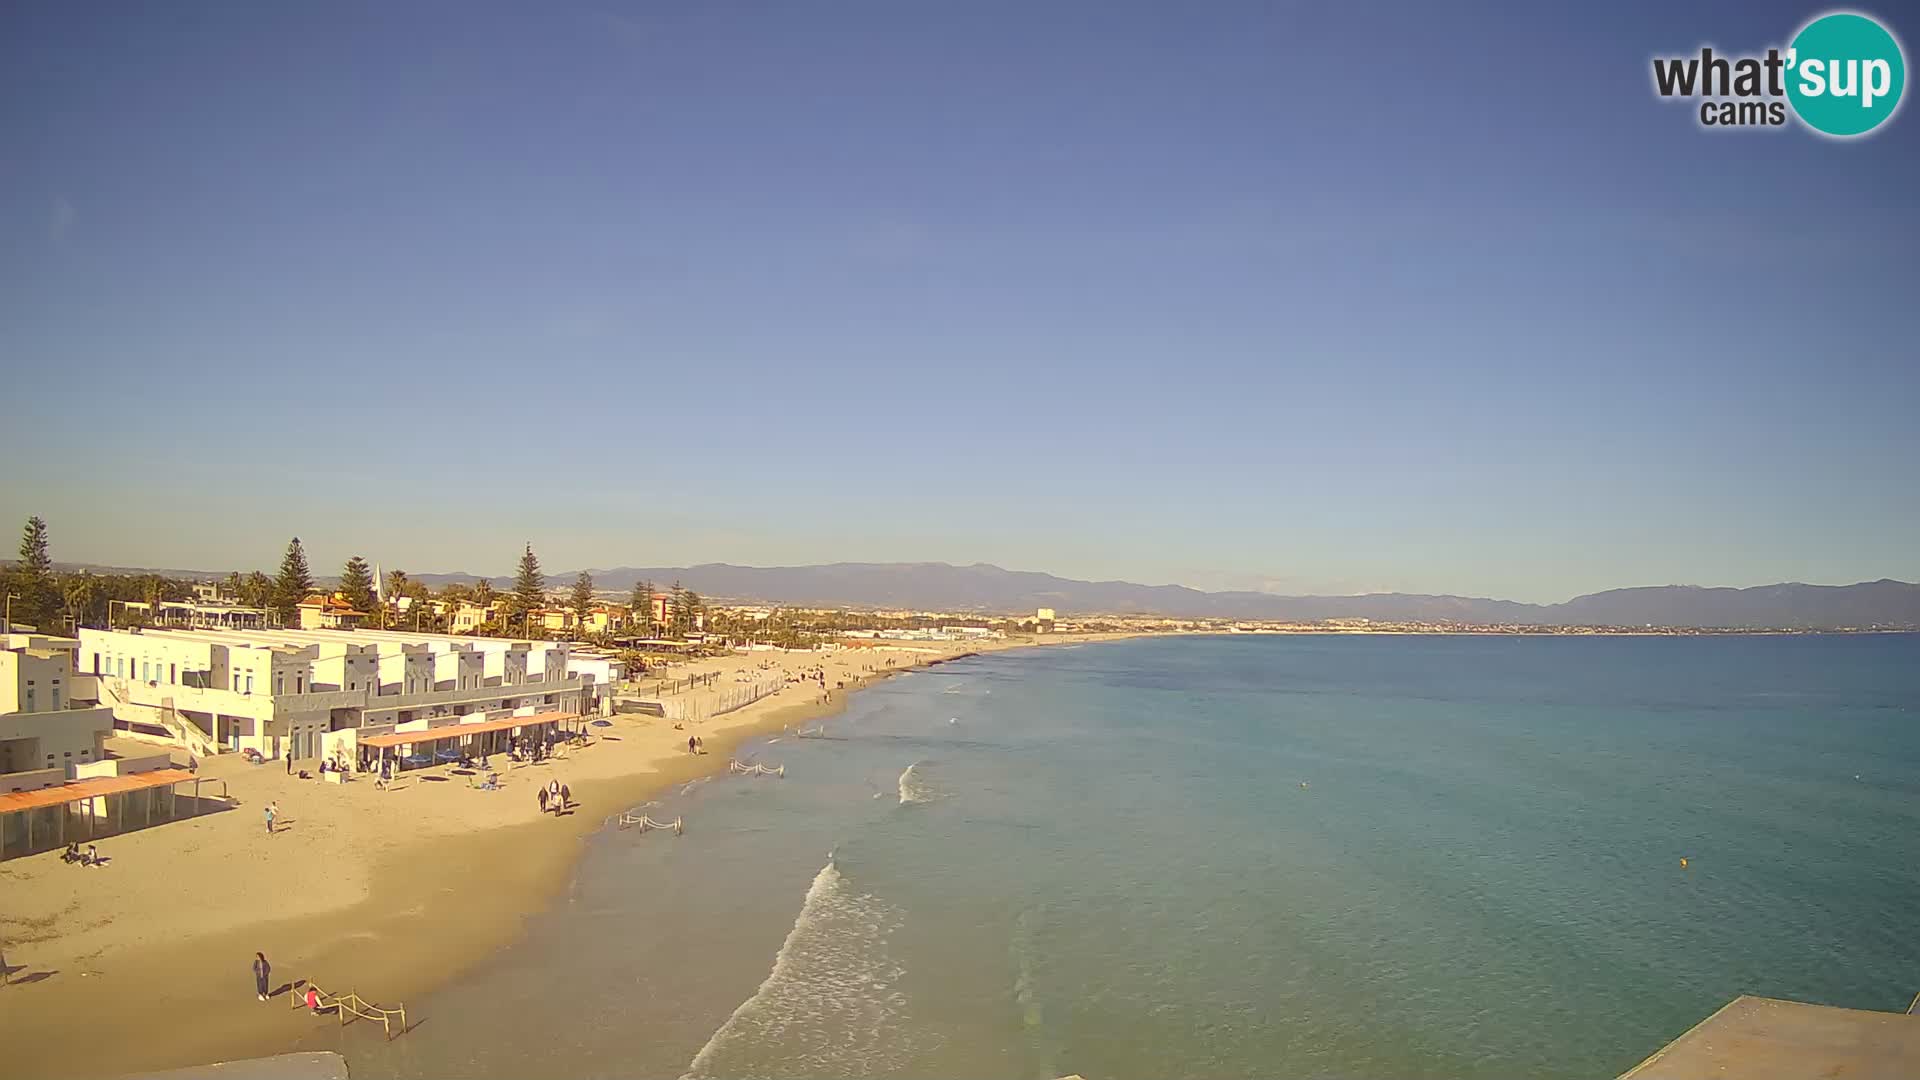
(830, 1007)
(913, 785)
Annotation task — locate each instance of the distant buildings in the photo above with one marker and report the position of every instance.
(470, 617)
(329, 612)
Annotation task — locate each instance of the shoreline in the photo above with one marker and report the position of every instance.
(429, 907)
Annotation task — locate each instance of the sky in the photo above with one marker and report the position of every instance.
(1309, 298)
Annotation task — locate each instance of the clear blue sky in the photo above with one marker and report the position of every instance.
(1312, 297)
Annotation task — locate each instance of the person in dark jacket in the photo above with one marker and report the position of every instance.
(262, 971)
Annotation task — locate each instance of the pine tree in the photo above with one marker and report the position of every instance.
(293, 584)
(677, 609)
(581, 599)
(643, 606)
(529, 587)
(36, 598)
(695, 607)
(356, 585)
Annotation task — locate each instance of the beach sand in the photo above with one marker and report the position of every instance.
(143, 963)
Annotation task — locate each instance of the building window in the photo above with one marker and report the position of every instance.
(249, 683)
(56, 698)
(29, 707)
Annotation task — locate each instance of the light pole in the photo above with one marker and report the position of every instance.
(7, 621)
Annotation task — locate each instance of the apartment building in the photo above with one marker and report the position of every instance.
(281, 692)
(45, 738)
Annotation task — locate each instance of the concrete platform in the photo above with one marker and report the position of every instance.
(320, 1065)
(1756, 1038)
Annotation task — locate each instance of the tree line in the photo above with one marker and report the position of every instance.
(49, 600)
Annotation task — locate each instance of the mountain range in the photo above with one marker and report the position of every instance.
(992, 590)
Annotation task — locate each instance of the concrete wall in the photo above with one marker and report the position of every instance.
(53, 740)
(35, 680)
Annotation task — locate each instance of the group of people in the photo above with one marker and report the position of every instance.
(89, 857)
(556, 796)
(696, 745)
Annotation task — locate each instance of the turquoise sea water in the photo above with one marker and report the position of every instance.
(1244, 857)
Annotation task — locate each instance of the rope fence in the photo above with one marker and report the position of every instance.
(350, 1007)
(738, 697)
(755, 770)
(644, 823)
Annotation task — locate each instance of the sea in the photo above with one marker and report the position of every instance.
(1353, 856)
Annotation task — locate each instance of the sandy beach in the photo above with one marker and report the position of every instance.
(144, 962)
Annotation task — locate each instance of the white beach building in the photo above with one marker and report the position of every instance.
(282, 692)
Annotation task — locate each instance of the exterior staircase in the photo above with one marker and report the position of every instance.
(113, 693)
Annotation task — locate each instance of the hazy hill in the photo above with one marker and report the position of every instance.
(992, 590)
(985, 588)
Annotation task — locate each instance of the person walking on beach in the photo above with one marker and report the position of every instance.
(543, 800)
(566, 797)
(690, 744)
(289, 761)
(270, 812)
(262, 973)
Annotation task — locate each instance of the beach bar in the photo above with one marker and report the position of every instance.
(450, 742)
(80, 811)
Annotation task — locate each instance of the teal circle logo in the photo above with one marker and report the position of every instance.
(1845, 73)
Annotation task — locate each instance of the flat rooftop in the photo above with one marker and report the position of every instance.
(13, 802)
(1756, 1038)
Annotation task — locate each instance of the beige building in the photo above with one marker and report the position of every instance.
(283, 692)
(470, 617)
(607, 618)
(329, 613)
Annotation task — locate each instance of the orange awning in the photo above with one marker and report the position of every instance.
(77, 790)
(456, 731)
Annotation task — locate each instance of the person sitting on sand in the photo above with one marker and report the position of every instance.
(313, 999)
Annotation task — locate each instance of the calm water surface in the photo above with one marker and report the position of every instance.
(1243, 857)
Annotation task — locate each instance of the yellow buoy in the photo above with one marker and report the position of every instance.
(1683, 864)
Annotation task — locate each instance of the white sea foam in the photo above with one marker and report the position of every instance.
(831, 1006)
(913, 785)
